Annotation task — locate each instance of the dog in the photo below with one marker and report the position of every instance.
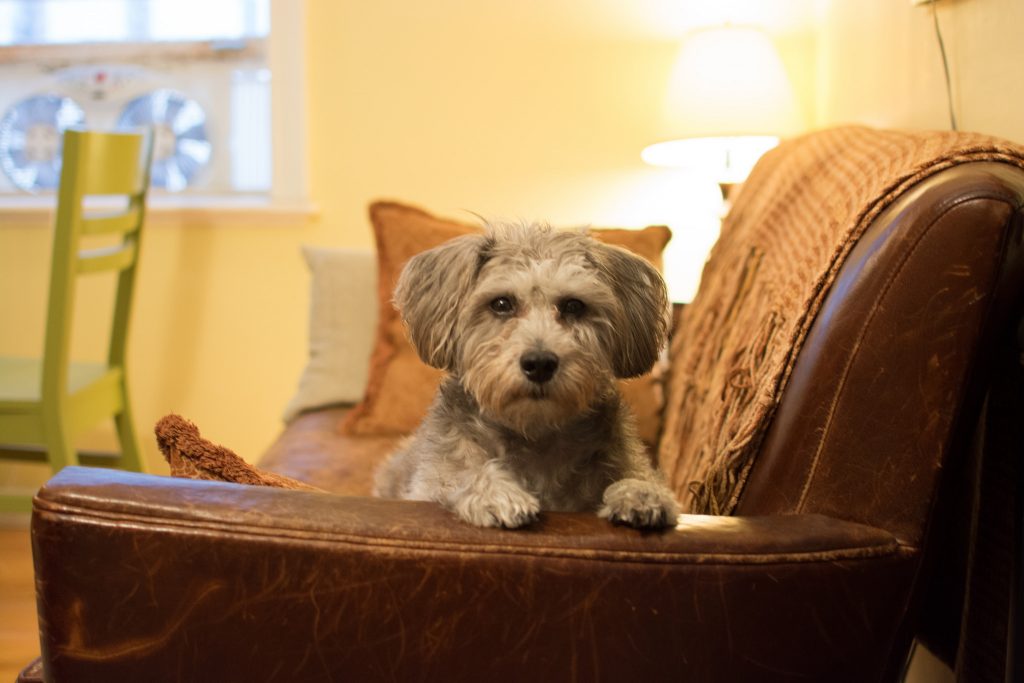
(532, 326)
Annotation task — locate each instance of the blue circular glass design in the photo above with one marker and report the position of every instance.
(181, 147)
(32, 139)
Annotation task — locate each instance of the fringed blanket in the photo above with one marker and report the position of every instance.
(798, 216)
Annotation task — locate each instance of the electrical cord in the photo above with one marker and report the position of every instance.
(945, 67)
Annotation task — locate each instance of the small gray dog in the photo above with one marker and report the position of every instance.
(533, 327)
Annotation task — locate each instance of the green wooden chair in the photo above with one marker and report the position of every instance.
(45, 403)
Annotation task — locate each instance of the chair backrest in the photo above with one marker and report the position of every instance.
(95, 164)
(805, 211)
(878, 406)
(898, 357)
(886, 417)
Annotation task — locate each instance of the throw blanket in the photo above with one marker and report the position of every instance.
(795, 220)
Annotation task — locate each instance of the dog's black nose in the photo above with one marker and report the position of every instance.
(538, 366)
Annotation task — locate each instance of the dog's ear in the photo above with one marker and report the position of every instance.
(644, 315)
(430, 292)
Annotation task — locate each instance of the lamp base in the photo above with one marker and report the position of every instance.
(728, 158)
(726, 189)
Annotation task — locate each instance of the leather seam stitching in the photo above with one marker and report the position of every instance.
(889, 549)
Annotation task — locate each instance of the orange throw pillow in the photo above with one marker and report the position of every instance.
(401, 386)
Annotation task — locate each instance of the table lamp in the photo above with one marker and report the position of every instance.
(729, 101)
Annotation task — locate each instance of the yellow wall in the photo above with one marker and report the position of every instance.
(531, 109)
(448, 106)
(879, 63)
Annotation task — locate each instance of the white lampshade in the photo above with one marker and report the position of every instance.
(728, 101)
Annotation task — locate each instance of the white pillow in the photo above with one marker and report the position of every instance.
(342, 327)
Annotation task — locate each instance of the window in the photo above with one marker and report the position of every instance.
(204, 85)
(32, 22)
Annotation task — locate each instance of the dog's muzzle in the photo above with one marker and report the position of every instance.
(538, 366)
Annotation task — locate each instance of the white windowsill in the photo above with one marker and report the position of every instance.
(38, 210)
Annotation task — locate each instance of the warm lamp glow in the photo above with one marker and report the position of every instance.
(728, 102)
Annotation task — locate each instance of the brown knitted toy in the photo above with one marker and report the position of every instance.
(193, 457)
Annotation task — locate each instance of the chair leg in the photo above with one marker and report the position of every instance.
(59, 450)
(131, 457)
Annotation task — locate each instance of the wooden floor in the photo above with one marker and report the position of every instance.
(19, 634)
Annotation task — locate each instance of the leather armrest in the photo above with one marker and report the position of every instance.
(142, 577)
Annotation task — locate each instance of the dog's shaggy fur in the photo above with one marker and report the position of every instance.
(533, 327)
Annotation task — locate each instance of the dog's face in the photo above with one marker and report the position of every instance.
(535, 323)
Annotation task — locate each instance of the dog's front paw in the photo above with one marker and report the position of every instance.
(640, 504)
(498, 505)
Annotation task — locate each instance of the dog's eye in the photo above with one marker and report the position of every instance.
(503, 306)
(572, 308)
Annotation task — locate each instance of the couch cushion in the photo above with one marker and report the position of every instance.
(342, 318)
(312, 449)
(794, 222)
(401, 386)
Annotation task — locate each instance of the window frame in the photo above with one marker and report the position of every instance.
(286, 55)
(288, 199)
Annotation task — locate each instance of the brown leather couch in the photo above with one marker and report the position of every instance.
(905, 401)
